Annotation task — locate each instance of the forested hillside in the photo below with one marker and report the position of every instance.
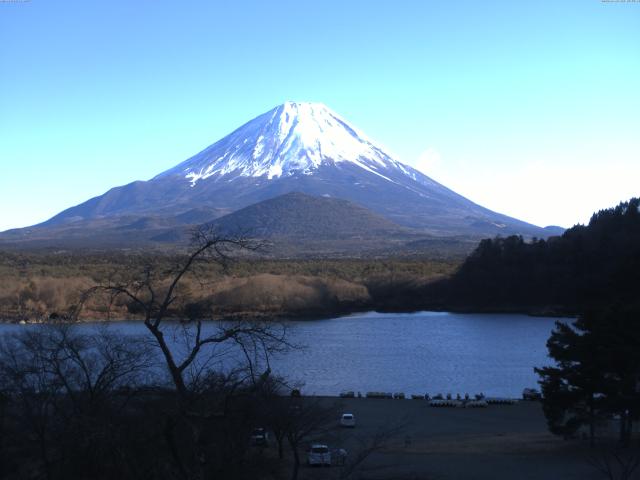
(588, 266)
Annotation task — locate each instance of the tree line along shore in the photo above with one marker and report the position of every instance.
(39, 286)
(589, 266)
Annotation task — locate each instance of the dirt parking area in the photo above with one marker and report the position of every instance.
(498, 442)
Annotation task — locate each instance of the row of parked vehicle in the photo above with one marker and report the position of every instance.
(527, 394)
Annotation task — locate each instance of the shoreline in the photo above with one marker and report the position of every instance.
(290, 316)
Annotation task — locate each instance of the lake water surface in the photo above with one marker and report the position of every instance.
(410, 352)
(420, 352)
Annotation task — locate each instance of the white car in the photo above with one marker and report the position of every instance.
(319, 455)
(348, 420)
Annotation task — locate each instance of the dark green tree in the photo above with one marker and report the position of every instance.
(588, 267)
(572, 390)
(596, 373)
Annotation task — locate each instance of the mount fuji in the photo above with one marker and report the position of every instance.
(295, 147)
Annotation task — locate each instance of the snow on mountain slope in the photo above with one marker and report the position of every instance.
(298, 147)
(291, 138)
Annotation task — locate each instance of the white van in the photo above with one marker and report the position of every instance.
(319, 455)
(348, 420)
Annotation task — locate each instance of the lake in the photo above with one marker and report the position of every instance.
(434, 352)
(420, 352)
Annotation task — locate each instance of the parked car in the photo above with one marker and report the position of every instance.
(531, 394)
(319, 455)
(348, 420)
(259, 437)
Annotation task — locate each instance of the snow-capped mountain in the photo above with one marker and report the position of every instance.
(292, 138)
(296, 147)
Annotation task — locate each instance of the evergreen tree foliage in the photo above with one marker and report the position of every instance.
(588, 267)
(597, 372)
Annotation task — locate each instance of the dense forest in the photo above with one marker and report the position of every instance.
(587, 267)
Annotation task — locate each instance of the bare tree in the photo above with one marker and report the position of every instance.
(155, 300)
(277, 408)
(88, 368)
(366, 447)
(64, 389)
(278, 421)
(616, 463)
(191, 348)
(25, 378)
(307, 418)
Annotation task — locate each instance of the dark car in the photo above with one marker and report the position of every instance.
(259, 437)
(531, 394)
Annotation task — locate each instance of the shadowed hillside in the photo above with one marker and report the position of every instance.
(298, 215)
(588, 266)
(293, 225)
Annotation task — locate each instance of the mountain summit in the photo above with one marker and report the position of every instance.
(295, 147)
(292, 138)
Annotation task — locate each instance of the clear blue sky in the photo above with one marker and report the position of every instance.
(529, 108)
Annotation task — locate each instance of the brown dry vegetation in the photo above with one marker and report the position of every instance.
(37, 286)
(295, 294)
(35, 296)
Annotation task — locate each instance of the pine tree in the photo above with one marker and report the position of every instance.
(596, 373)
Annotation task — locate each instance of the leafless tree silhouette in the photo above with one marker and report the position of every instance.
(189, 361)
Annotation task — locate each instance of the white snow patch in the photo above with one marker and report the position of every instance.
(292, 138)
